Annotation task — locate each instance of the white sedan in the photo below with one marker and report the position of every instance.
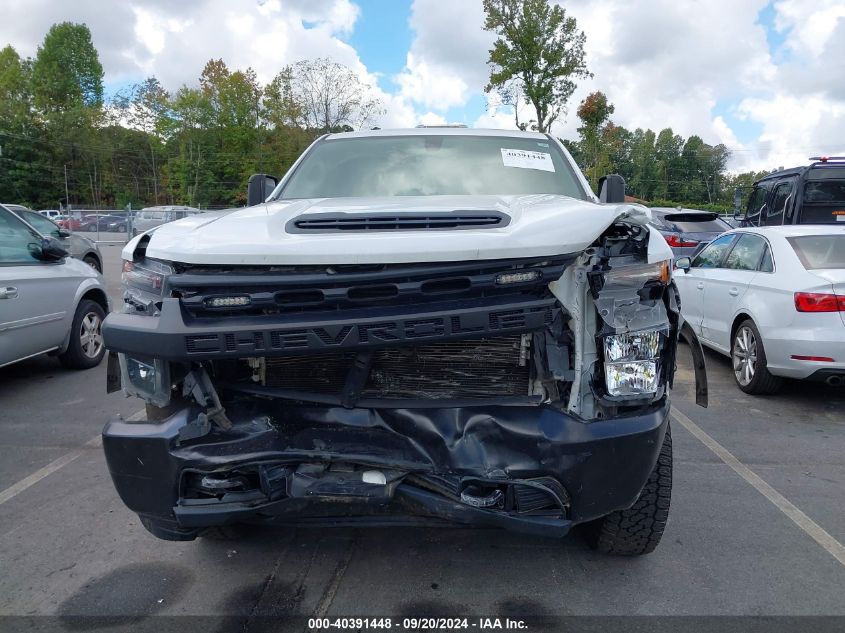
(773, 299)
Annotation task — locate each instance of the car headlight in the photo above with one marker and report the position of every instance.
(144, 284)
(631, 366)
(146, 378)
(639, 274)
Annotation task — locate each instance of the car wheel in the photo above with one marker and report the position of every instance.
(93, 262)
(638, 529)
(748, 357)
(91, 228)
(86, 348)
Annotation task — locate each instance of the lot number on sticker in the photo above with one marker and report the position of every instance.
(526, 159)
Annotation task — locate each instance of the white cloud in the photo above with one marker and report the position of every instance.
(446, 62)
(432, 118)
(173, 41)
(432, 86)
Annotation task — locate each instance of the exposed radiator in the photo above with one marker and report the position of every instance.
(481, 368)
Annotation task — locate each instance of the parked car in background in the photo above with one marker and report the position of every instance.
(773, 299)
(69, 222)
(78, 246)
(813, 194)
(151, 217)
(49, 302)
(50, 213)
(731, 220)
(98, 222)
(120, 223)
(687, 230)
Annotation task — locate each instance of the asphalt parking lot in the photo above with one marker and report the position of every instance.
(756, 525)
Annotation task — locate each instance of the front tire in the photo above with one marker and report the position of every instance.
(748, 358)
(86, 348)
(93, 262)
(638, 529)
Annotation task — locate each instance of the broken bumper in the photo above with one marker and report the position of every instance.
(424, 458)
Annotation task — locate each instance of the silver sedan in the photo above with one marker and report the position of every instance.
(773, 299)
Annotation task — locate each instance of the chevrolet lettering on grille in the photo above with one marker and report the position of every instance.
(368, 334)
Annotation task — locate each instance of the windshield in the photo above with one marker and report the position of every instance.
(41, 224)
(430, 166)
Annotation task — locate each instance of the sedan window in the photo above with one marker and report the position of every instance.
(714, 253)
(747, 253)
(819, 252)
(767, 265)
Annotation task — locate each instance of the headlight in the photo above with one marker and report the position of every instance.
(639, 274)
(146, 378)
(631, 365)
(143, 284)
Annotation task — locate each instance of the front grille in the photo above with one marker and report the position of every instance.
(480, 368)
(344, 222)
(330, 289)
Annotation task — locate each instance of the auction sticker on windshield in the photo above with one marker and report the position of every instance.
(526, 159)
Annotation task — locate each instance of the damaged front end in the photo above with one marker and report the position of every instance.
(530, 394)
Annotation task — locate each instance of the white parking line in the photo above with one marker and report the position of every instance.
(27, 482)
(810, 527)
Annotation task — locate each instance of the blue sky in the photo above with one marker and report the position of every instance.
(763, 77)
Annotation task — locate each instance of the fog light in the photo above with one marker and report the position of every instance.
(631, 379)
(517, 278)
(228, 302)
(141, 374)
(631, 362)
(146, 378)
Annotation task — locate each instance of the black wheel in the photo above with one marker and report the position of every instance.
(638, 529)
(93, 262)
(748, 357)
(86, 348)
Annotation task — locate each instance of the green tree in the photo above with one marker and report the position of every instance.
(594, 112)
(146, 107)
(536, 59)
(67, 73)
(20, 162)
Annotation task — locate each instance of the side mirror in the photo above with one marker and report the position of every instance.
(52, 250)
(260, 186)
(612, 189)
(683, 263)
(63, 233)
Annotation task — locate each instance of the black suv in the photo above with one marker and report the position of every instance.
(813, 194)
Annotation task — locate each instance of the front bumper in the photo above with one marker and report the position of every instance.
(602, 466)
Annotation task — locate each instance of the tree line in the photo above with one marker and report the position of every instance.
(62, 141)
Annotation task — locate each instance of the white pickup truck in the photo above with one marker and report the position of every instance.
(412, 326)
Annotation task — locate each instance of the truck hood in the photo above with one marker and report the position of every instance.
(538, 225)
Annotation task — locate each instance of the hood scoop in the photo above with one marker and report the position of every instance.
(416, 221)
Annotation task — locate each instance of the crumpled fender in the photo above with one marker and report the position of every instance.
(686, 332)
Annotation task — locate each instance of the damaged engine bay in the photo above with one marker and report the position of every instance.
(523, 393)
